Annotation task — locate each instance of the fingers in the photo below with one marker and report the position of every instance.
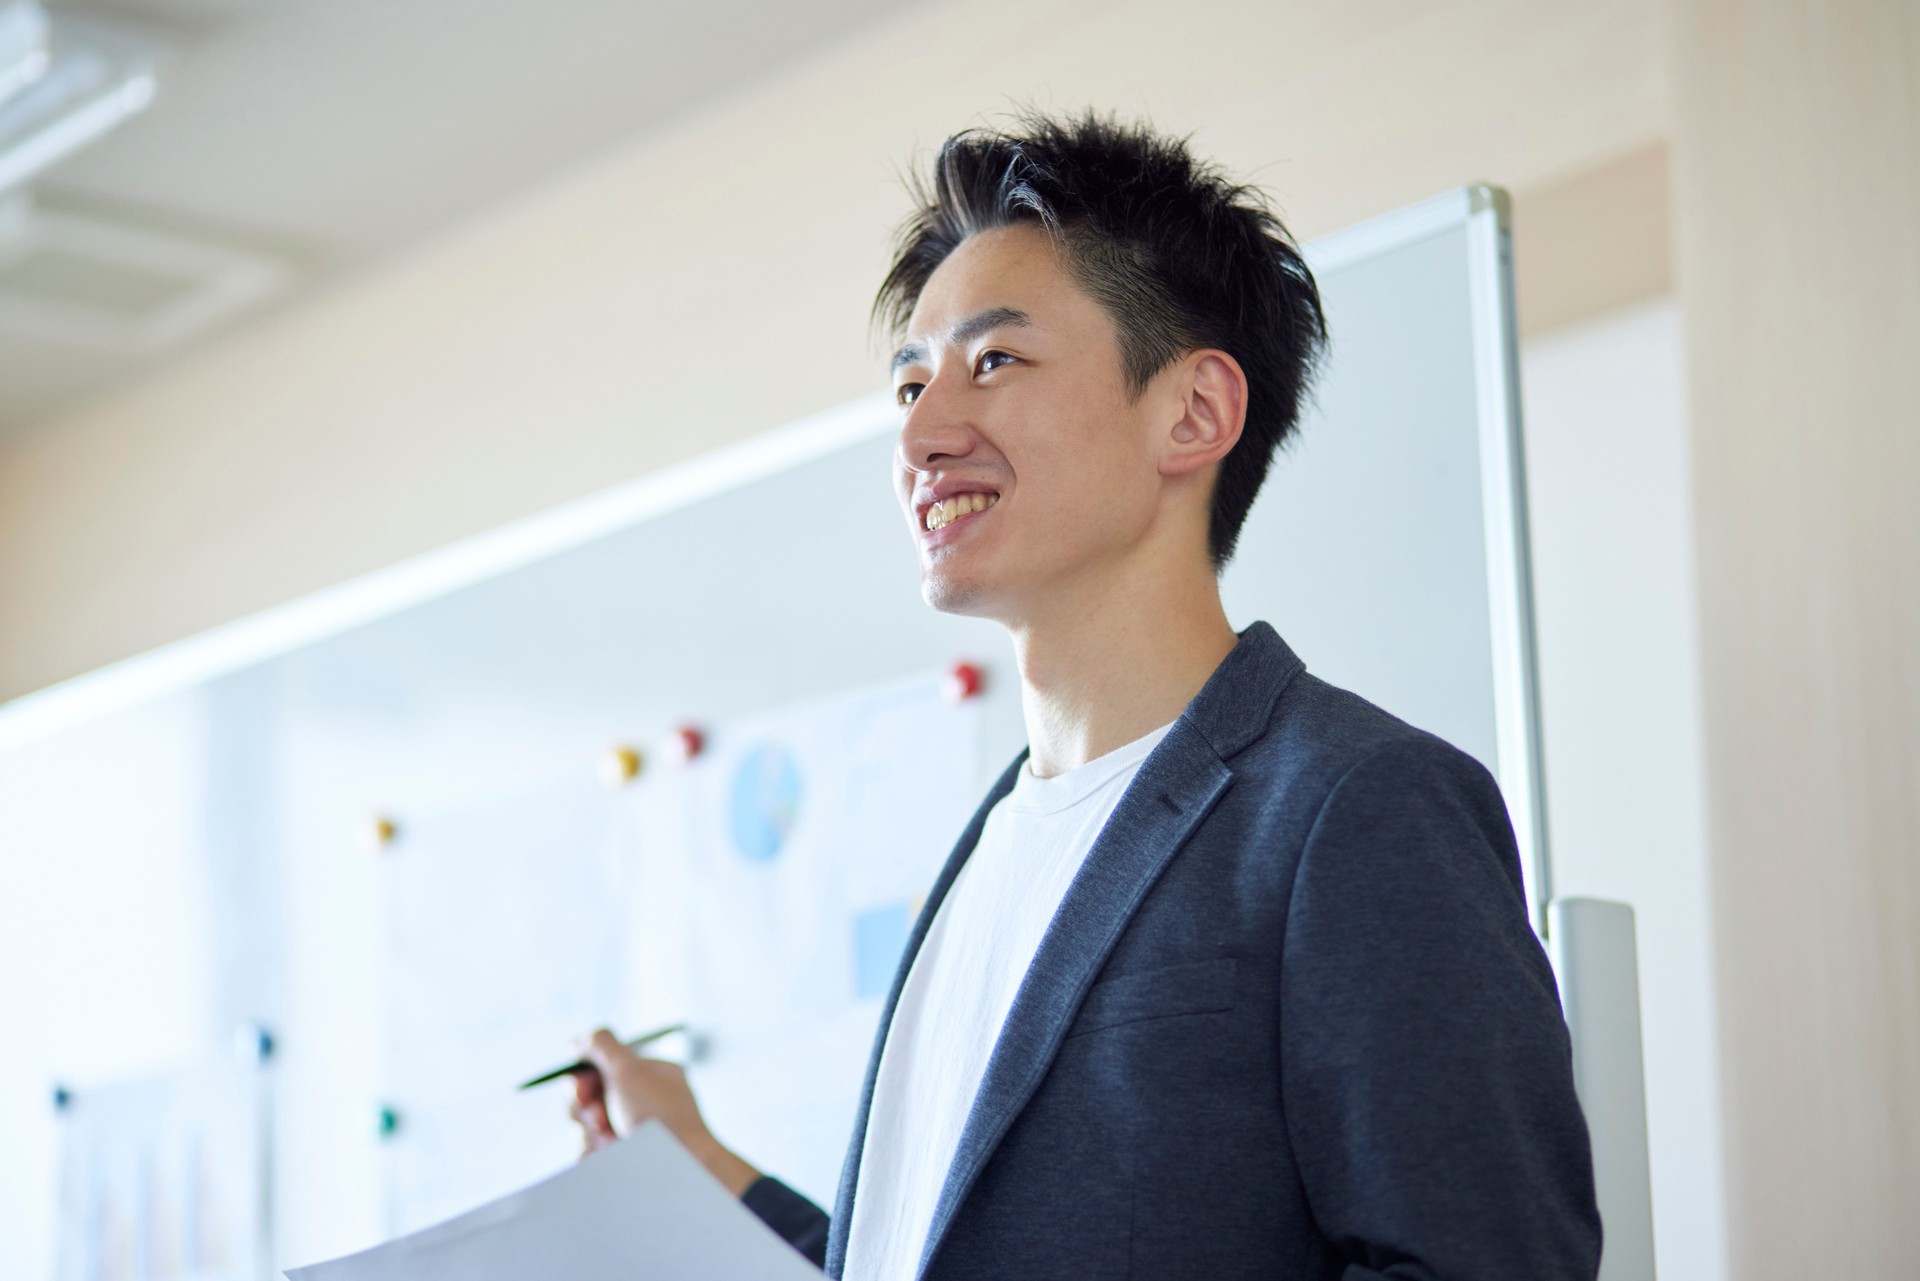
(602, 1048)
(592, 1117)
(595, 1129)
(589, 1108)
(589, 1087)
(630, 1090)
(591, 1142)
(589, 1116)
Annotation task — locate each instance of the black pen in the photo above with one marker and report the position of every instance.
(637, 1043)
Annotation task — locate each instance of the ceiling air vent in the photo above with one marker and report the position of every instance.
(103, 281)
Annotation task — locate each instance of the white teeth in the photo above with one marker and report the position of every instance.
(944, 513)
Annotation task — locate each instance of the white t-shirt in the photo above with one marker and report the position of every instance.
(957, 995)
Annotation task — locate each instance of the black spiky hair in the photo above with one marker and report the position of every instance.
(1180, 257)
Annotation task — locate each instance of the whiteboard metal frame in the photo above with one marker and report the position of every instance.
(1503, 492)
(1483, 210)
(1402, 227)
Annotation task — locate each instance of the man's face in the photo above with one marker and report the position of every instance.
(1019, 444)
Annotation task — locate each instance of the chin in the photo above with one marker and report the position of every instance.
(951, 594)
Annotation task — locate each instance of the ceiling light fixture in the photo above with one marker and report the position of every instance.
(25, 50)
(95, 76)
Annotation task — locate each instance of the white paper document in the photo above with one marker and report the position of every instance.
(639, 1210)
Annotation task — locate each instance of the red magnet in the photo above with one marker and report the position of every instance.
(963, 682)
(686, 743)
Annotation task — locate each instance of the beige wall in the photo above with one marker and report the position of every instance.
(1797, 185)
(1594, 242)
(711, 281)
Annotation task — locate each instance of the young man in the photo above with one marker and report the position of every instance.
(1231, 975)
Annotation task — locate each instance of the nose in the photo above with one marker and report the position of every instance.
(937, 429)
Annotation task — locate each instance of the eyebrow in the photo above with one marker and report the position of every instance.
(980, 322)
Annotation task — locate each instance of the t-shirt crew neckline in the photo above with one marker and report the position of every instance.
(1032, 794)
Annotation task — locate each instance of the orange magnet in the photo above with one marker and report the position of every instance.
(621, 765)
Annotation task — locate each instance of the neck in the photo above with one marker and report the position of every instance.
(1104, 667)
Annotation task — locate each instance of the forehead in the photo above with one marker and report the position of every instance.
(1018, 267)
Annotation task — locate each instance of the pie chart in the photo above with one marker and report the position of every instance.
(764, 801)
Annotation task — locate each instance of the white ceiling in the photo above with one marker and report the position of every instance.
(338, 131)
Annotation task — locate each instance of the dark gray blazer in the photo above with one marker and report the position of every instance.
(1289, 1022)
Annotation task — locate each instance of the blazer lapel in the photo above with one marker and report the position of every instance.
(842, 1217)
(1176, 787)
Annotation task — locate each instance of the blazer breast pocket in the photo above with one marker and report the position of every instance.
(1191, 987)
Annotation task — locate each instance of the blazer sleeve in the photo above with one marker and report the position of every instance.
(799, 1221)
(1426, 1070)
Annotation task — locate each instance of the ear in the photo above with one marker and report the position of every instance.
(1213, 408)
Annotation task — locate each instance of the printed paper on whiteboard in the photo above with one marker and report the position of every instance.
(797, 851)
(164, 1179)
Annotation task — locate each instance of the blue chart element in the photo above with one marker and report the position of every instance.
(765, 801)
(879, 938)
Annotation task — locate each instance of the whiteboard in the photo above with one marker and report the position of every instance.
(469, 698)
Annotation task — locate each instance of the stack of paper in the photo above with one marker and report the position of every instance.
(639, 1210)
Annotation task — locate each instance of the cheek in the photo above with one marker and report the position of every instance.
(1096, 469)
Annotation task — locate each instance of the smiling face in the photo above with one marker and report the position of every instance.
(1027, 471)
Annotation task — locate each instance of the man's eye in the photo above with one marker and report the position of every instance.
(991, 360)
(907, 393)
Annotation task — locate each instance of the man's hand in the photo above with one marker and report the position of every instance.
(627, 1091)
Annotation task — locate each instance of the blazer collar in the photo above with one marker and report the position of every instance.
(1236, 704)
(1176, 787)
